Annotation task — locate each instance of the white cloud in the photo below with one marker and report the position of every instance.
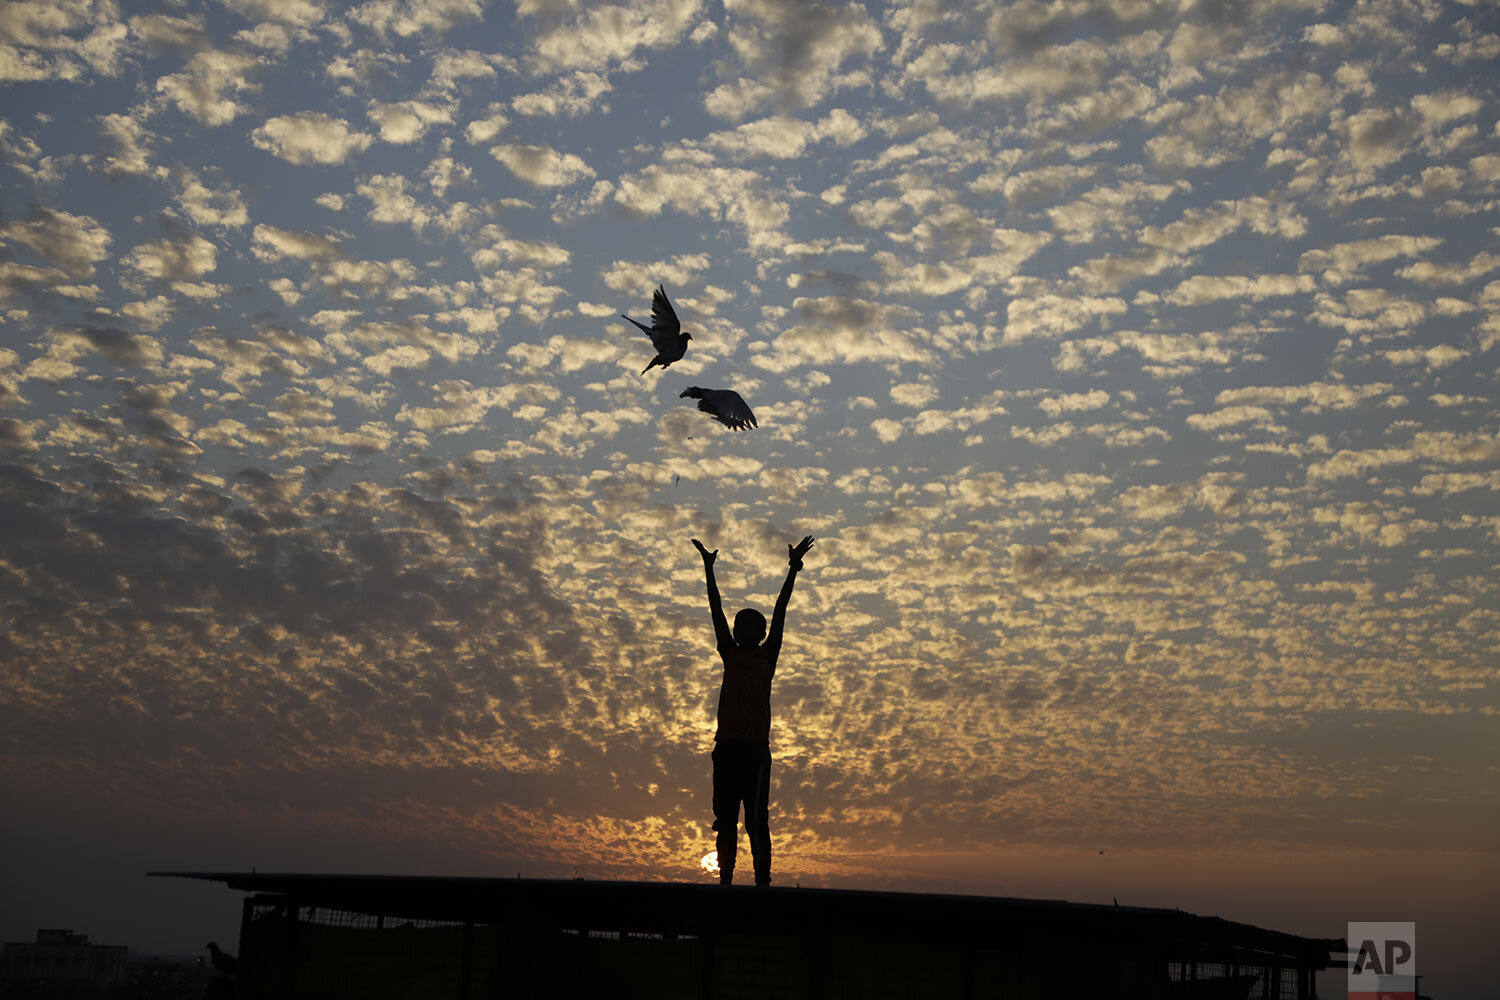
(1376, 138)
(961, 420)
(1446, 106)
(964, 75)
(842, 330)
(1343, 262)
(452, 67)
(186, 255)
(1368, 309)
(131, 154)
(1073, 402)
(737, 99)
(206, 206)
(404, 357)
(611, 33)
(60, 40)
(493, 247)
(1316, 396)
(1323, 34)
(390, 202)
(794, 52)
(943, 269)
(1052, 316)
(781, 137)
(913, 394)
(482, 130)
(566, 354)
(272, 243)
(150, 313)
(69, 344)
(1205, 288)
(1198, 228)
(208, 87)
(784, 137)
(272, 37)
(16, 278)
(310, 137)
(841, 127)
(721, 192)
(286, 290)
(446, 172)
(1346, 463)
(408, 18)
(632, 276)
(460, 405)
(1210, 130)
(576, 94)
(403, 122)
(542, 166)
(372, 69)
(74, 243)
(167, 33)
(301, 13)
(1438, 356)
(1442, 273)
(1229, 416)
(1110, 209)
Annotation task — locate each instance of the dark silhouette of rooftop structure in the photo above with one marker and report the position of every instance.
(361, 936)
(60, 961)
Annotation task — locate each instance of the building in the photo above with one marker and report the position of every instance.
(338, 937)
(63, 962)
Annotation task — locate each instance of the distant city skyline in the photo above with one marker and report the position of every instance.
(1134, 366)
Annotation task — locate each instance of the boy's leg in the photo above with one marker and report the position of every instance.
(726, 809)
(758, 813)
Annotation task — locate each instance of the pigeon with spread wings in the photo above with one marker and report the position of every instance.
(665, 331)
(725, 405)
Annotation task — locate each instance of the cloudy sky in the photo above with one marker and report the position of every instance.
(1134, 365)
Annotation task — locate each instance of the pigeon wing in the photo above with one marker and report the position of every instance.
(728, 408)
(665, 327)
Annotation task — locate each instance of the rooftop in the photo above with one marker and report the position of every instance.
(670, 907)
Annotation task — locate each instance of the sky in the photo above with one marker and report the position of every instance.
(1133, 364)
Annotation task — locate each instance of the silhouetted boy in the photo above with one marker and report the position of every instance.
(742, 745)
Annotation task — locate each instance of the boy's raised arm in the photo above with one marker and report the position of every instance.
(794, 556)
(722, 636)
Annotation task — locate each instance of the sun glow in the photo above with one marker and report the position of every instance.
(710, 863)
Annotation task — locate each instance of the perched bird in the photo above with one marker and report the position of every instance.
(665, 331)
(222, 960)
(725, 404)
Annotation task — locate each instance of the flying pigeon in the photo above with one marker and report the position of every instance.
(665, 331)
(725, 404)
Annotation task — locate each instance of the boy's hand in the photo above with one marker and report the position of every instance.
(795, 553)
(708, 557)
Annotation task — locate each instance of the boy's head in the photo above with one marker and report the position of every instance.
(749, 627)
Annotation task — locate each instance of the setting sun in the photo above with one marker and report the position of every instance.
(710, 863)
